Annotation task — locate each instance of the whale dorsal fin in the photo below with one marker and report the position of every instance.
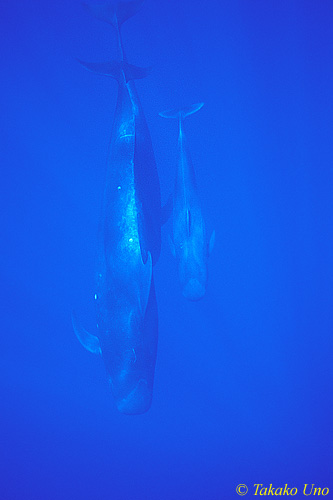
(188, 222)
(172, 246)
(166, 210)
(211, 243)
(146, 283)
(89, 341)
(142, 238)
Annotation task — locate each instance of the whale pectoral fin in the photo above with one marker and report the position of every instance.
(166, 210)
(89, 341)
(146, 283)
(211, 243)
(172, 246)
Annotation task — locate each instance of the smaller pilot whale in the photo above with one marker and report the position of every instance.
(188, 242)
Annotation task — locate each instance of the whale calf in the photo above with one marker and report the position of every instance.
(188, 242)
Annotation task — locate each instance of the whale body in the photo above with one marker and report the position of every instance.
(127, 317)
(188, 241)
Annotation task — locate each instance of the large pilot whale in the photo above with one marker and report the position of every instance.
(127, 320)
(146, 176)
(188, 242)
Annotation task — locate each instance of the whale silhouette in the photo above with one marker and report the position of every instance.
(130, 239)
(188, 241)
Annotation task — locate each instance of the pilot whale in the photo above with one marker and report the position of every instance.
(147, 183)
(127, 318)
(188, 242)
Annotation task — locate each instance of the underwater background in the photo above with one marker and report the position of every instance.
(243, 383)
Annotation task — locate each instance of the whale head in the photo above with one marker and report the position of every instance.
(193, 273)
(194, 289)
(129, 356)
(136, 400)
(130, 374)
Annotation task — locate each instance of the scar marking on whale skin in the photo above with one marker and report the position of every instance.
(125, 136)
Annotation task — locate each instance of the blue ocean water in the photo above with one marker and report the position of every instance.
(243, 385)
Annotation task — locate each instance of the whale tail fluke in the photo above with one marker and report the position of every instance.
(115, 69)
(182, 112)
(114, 13)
